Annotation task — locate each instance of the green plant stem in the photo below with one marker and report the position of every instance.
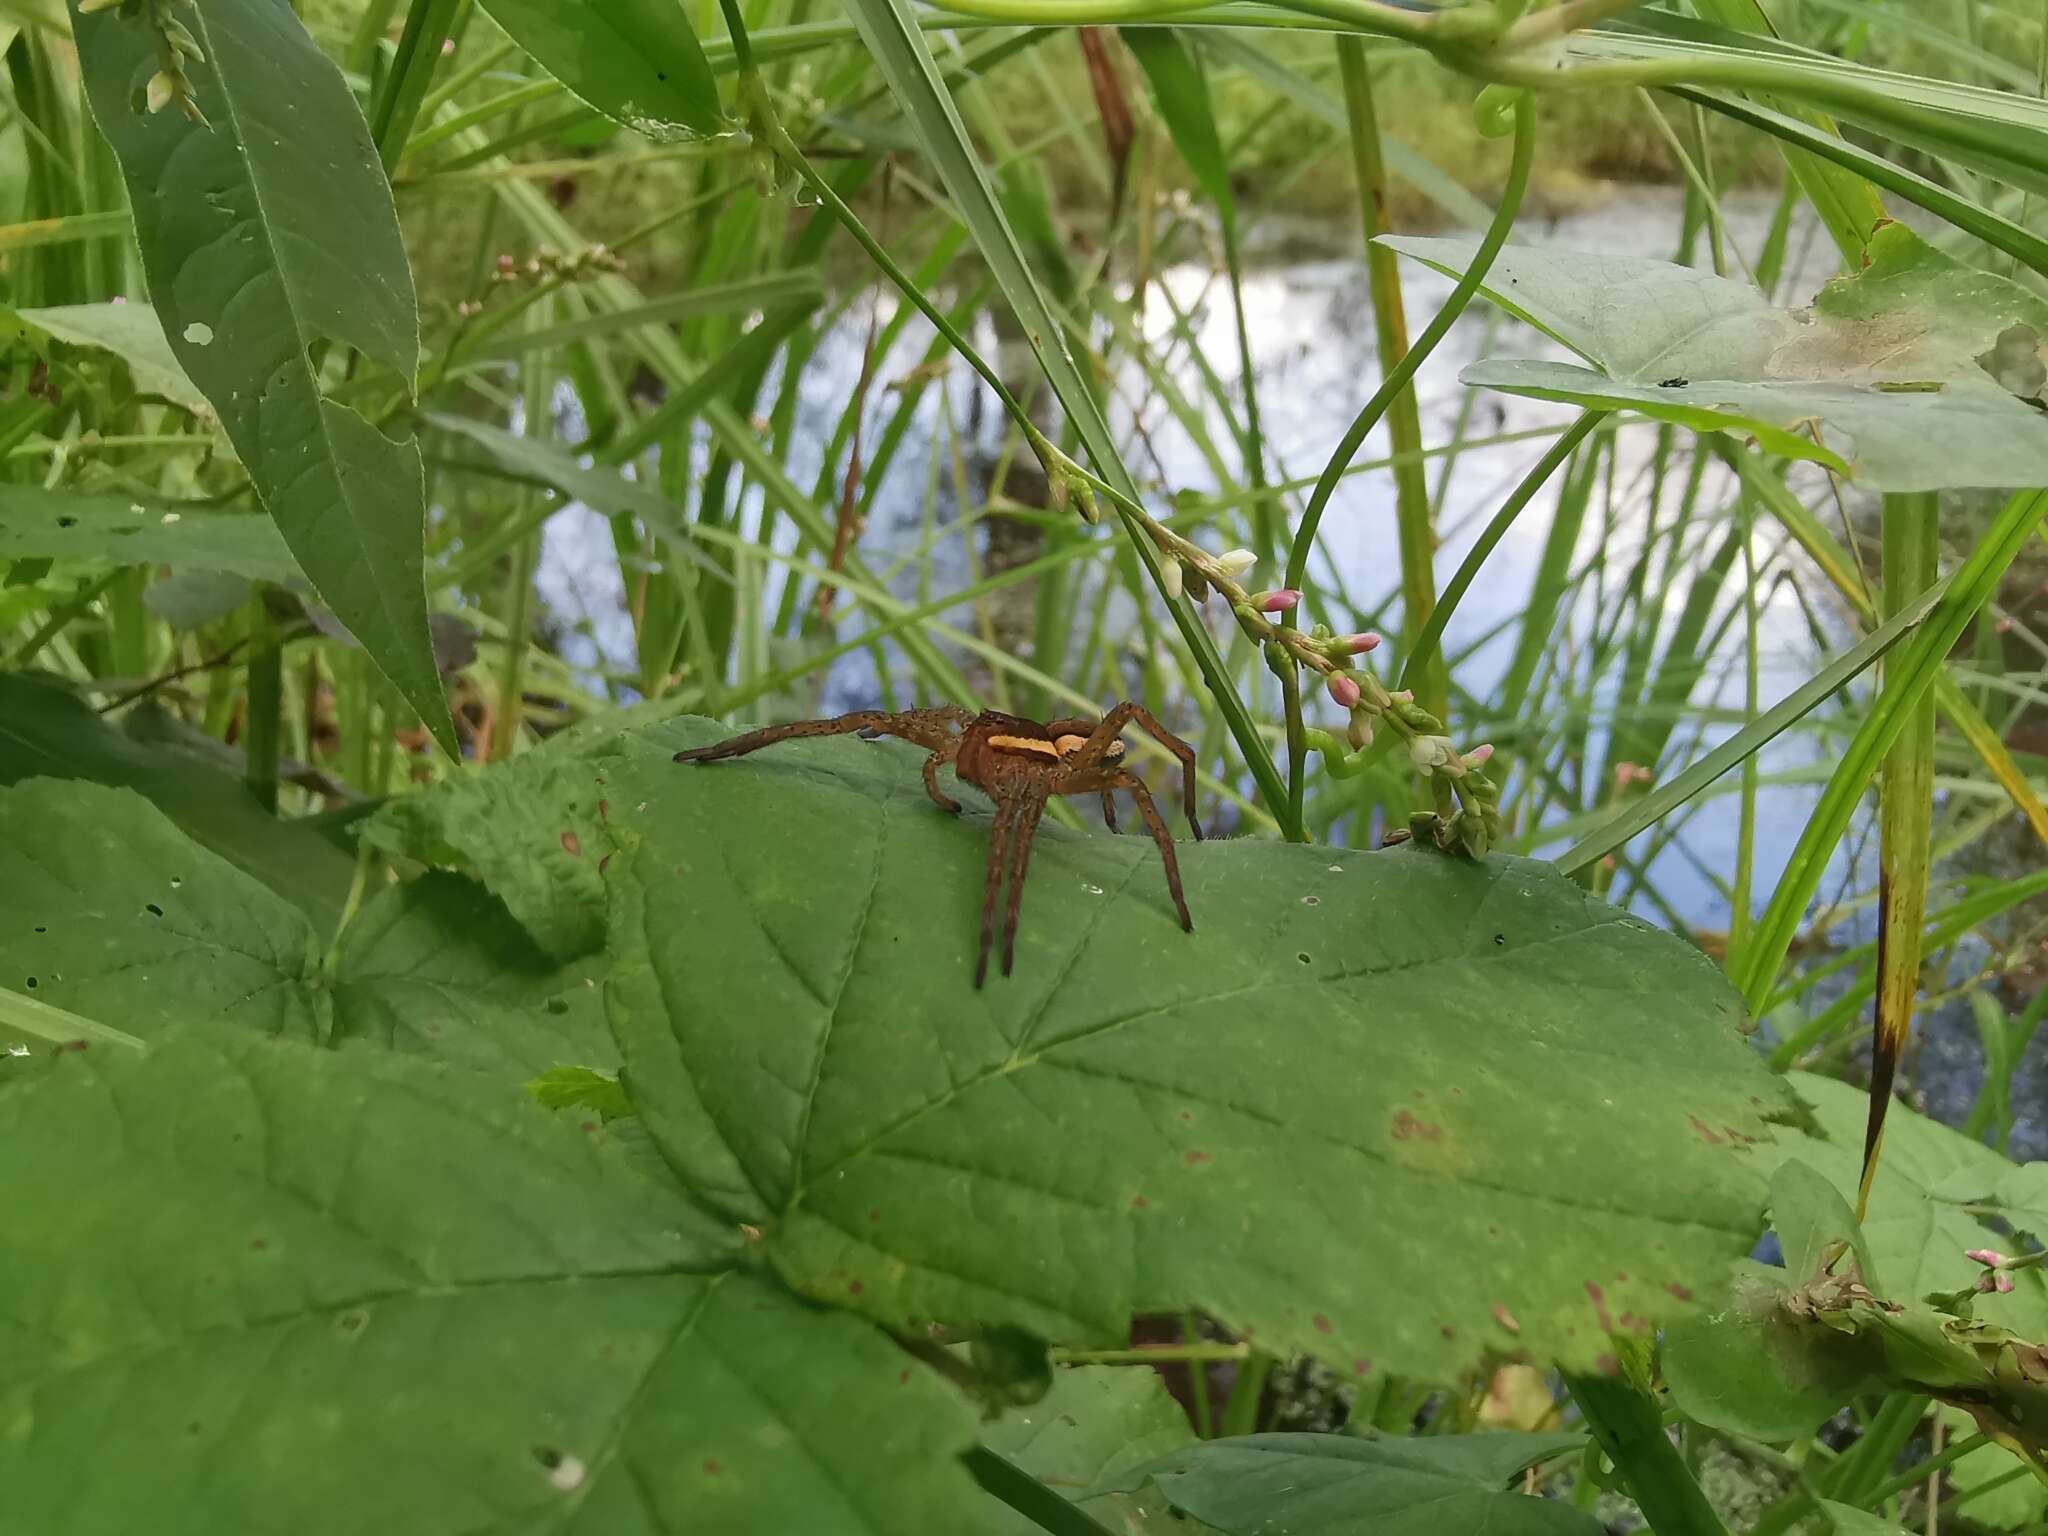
(1423, 672)
(1397, 381)
(263, 726)
(1247, 1392)
(59, 1027)
(1005, 1480)
(1625, 1420)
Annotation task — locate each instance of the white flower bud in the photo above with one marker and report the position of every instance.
(1172, 577)
(162, 88)
(1235, 562)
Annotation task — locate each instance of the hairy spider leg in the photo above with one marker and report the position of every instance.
(1109, 811)
(929, 728)
(1091, 755)
(1022, 830)
(932, 765)
(998, 849)
(1156, 823)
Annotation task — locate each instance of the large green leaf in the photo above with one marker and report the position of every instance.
(636, 61)
(260, 1287)
(1375, 1485)
(1927, 366)
(46, 731)
(1367, 1111)
(38, 524)
(269, 236)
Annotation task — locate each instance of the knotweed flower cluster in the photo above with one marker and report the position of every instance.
(1468, 800)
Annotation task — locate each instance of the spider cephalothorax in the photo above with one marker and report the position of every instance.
(1019, 764)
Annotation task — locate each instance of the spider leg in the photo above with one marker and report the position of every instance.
(1164, 838)
(1021, 833)
(998, 859)
(927, 727)
(1109, 811)
(940, 798)
(1113, 723)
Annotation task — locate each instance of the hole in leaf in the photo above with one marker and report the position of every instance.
(154, 910)
(2014, 362)
(31, 983)
(67, 522)
(1302, 957)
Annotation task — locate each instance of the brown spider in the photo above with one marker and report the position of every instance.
(1019, 764)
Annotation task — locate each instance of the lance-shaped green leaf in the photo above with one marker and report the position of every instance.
(1357, 1112)
(636, 61)
(39, 524)
(1932, 371)
(1372, 1485)
(269, 237)
(264, 1287)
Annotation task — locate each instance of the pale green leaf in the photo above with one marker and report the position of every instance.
(269, 237)
(1907, 360)
(130, 331)
(1125, 1112)
(1916, 1239)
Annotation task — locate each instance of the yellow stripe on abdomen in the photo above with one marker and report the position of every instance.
(1023, 744)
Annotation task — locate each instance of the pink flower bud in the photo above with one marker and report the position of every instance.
(1344, 690)
(1990, 1256)
(1358, 645)
(1480, 755)
(1403, 696)
(1276, 602)
(2003, 1281)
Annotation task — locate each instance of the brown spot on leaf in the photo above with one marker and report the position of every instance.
(259, 1244)
(604, 863)
(1322, 1323)
(1362, 1366)
(1195, 1158)
(1139, 1202)
(1599, 1299)
(853, 1287)
(572, 845)
(903, 1376)
(1505, 1318)
(1706, 1132)
(712, 1467)
(1621, 1277)
(1407, 1128)
(874, 1215)
(1607, 1365)
(1447, 1331)
(1681, 1292)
